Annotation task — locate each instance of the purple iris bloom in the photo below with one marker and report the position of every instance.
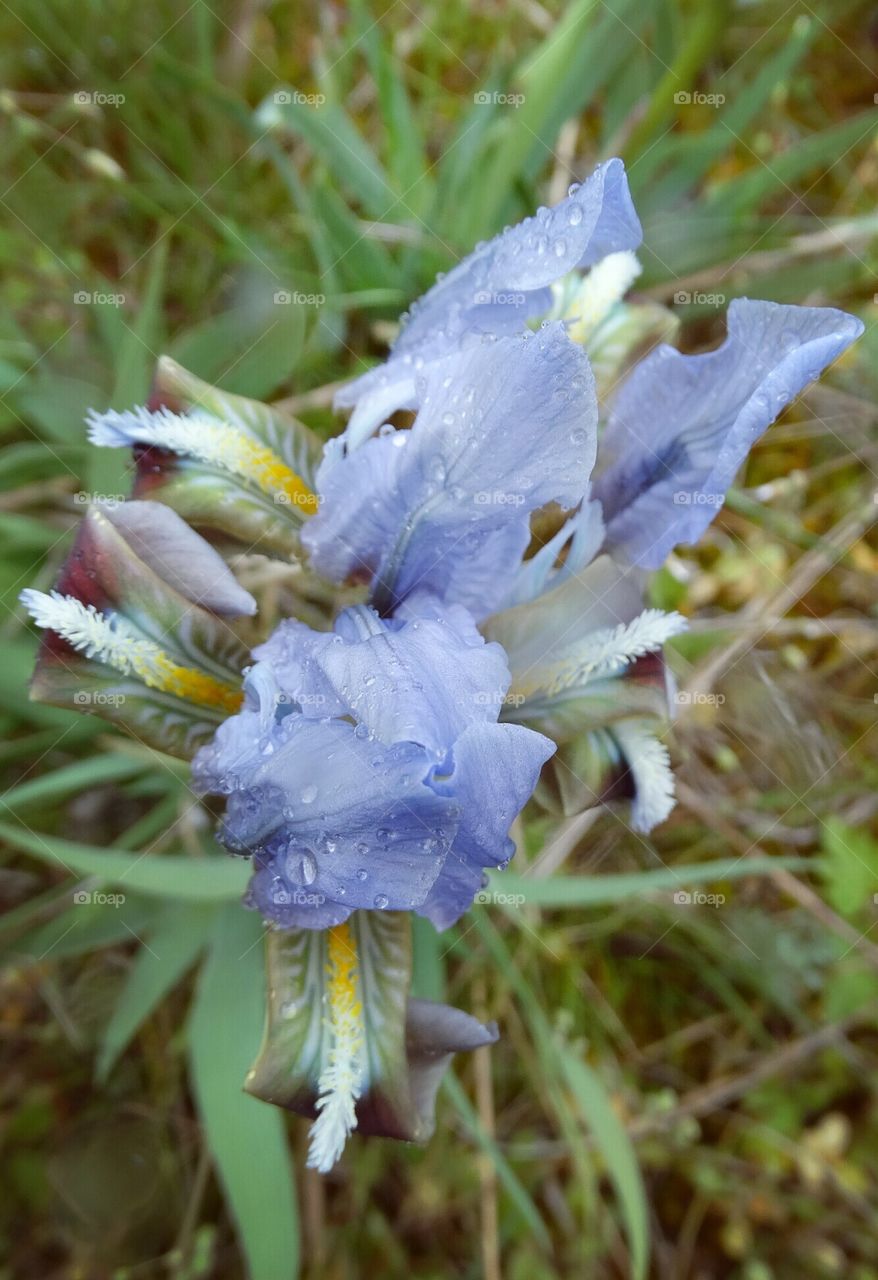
(496, 289)
(368, 768)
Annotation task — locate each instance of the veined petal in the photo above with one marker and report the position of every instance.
(345, 1045)
(180, 557)
(111, 640)
(682, 425)
(417, 682)
(497, 288)
(295, 444)
(539, 637)
(334, 821)
(356, 802)
(136, 629)
(650, 765)
(419, 679)
(504, 427)
(218, 443)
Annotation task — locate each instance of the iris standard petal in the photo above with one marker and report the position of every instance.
(417, 682)
(497, 288)
(504, 427)
(682, 425)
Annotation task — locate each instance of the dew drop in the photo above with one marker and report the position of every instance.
(381, 901)
(309, 795)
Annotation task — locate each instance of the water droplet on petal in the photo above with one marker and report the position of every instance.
(300, 865)
(381, 901)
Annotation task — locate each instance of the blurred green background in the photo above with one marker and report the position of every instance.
(681, 1090)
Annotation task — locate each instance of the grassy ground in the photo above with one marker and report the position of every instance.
(735, 1040)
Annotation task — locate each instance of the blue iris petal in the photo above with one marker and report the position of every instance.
(682, 425)
(405, 772)
(496, 767)
(496, 288)
(504, 427)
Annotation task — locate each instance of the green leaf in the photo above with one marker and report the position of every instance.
(247, 1139)
(334, 138)
(172, 947)
(209, 879)
(591, 891)
(72, 778)
(618, 1154)
(850, 866)
(84, 927)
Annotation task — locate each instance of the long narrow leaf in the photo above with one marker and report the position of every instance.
(247, 1138)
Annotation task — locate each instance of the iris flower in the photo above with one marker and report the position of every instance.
(478, 570)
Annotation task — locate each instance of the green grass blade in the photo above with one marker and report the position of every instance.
(587, 891)
(247, 1138)
(505, 1173)
(180, 933)
(209, 879)
(618, 1154)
